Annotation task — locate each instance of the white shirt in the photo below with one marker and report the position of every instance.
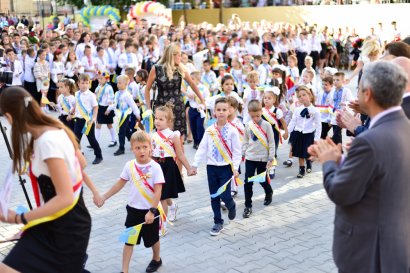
(101, 63)
(69, 101)
(346, 96)
(248, 95)
(133, 89)
(57, 71)
(314, 43)
(123, 101)
(302, 45)
(18, 71)
(382, 114)
(53, 144)
(324, 102)
(71, 67)
(306, 125)
(88, 100)
(90, 65)
(28, 69)
(254, 50)
(263, 74)
(155, 176)
(194, 103)
(128, 60)
(111, 59)
(208, 152)
(157, 151)
(79, 50)
(209, 79)
(104, 94)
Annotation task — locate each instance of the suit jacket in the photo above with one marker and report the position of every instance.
(406, 106)
(371, 191)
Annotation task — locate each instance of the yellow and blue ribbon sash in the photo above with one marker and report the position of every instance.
(259, 178)
(256, 130)
(100, 93)
(65, 105)
(83, 112)
(268, 115)
(148, 120)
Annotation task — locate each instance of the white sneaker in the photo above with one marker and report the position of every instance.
(163, 232)
(172, 212)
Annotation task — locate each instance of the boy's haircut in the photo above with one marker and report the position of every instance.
(87, 47)
(83, 77)
(30, 51)
(99, 48)
(123, 78)
(308, 58)
(254, 106)
(196, 74)
(112, 42)
(257, 58)
(311, 74)
(339, 74)
(129, 71)
(293, 57)
(329, 80)
(221, 100)
(140, 136)
(234, 103)
(206, 62)
(253, 75)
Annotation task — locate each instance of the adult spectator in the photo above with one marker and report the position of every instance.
(405, 64)
(370, 187)
(396, 49)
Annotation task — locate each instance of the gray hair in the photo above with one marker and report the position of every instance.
(386, 80)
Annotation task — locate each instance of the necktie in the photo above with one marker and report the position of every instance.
(305, 113)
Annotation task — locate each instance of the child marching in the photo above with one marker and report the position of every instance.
(259, 152)
(146, 179)
(167, 147)
(221, 149)
(124, 105)
(305, 128)
(86, 110)
(66, 102)
(105, 98)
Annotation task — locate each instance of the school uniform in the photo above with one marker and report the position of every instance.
(324, 102)
(70, 69)
(29, 80)
(263, 74)
(105, 97)
(238, 125)
(139, 202)
(111, 62)
(219, 171)
(124, 105)
(101, 63)
(237, 76)
(85, 103)
(163, 152)
(305, 127)
(209, 80)
(273, 116)
(65, 106)
(128, 59)
(57, 73)
(132, 89)
(258, 149)
(196, 119)
(341, 97)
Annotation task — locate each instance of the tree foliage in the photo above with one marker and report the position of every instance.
(119, 4)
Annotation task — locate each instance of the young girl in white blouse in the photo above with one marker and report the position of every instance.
(73, 66)
(251, 93)
(66, 102)
(166, 146)
(57, 73)
(305, 128)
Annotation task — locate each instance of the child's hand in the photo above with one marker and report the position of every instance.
(149, 218)
(268, 165)
(98, 200)
(235, 174)
(192, 171)
(107, 112)
(286, 135)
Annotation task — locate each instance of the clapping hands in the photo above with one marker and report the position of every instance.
(325, 150)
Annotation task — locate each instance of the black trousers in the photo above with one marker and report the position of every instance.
(250, 168)
(301, 60)
(78, 131)
(315, 56)
(337, 134)
(31, 87)
(325, 129)
(123, 132)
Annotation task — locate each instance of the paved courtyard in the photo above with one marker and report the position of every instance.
(293, 234)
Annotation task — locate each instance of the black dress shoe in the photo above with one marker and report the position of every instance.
(232, 212)
(153, 266)
(89, 147)
(119, 152)
(112, 144)
(268, 199)
(196, 146)
(97, 160)
(247, 212)
(301, 172)
(308, 166)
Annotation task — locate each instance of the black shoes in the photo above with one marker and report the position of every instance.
(232, 212)
(268, 199)
(112, 144)
(288, 163)
(196, 146)
(247, 212)
(153, 266)
(301, 172)
(308, 166)
(97, 160)
(119, 152)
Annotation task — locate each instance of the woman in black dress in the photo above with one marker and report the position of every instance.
(56, 233)
(168, 75)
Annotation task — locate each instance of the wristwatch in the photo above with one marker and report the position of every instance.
(153, 210)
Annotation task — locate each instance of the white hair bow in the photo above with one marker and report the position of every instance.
(274, 89)
(27, 100)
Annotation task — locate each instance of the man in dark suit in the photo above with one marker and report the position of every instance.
(370, 187)
(404, 63)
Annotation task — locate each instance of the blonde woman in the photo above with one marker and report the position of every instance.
(168, 75)
(370, 52)
(41, 72)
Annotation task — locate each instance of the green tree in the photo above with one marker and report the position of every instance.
(120, 4)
